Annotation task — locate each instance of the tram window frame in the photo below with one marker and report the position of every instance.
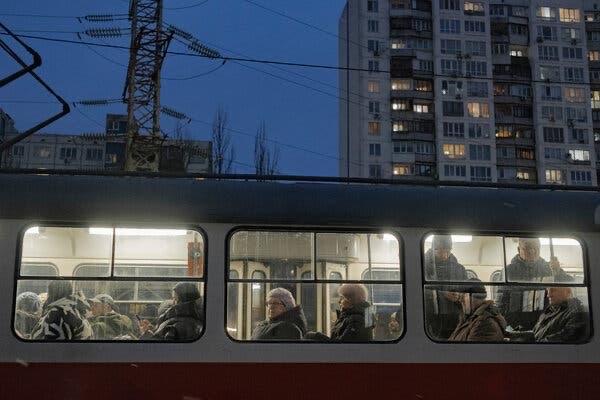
(507, 235)
(200, 280)
(316, 281)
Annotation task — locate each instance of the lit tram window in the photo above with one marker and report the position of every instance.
(302, 280)
(123, 284)
(505, 289)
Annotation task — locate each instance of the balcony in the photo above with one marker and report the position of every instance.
(509, 99)
(413, 135)
(515, 162)
(411, 115)
(412, 94)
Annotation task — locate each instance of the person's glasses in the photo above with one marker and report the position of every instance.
(274, 304)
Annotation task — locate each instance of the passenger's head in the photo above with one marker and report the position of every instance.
(279, 300)
(559, 294)
(352, 294)
(58, 290)
(29, 302)
(149, 312)
(442, 247)
(529, 249)
(394, 325)
(473, 295)
(102, 304)
(185, 292)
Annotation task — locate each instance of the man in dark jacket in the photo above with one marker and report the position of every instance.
(479, 320)
(106, 322)
(517, 303)
(285, 320)
(442, 306)
(565, 320)
(182, 321)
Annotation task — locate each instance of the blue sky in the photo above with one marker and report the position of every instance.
(294, 115)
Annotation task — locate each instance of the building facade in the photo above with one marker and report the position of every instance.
(481, 91)
(100, 152)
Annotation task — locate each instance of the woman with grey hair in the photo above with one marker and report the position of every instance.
(351, 324)
(285, 320)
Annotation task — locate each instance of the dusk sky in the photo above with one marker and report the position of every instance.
(294, 115)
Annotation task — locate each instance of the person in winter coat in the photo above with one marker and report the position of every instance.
(106, 322)
(27, 314)
(480, 320)
(183, 321)
(442, 307)
(527, 266)
(285, 320)
(63, 315)
(352, 324)
(565, 320)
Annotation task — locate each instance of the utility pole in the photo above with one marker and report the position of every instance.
(149, 44)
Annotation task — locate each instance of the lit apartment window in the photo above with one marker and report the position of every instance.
(401, 169)
(400, 105)
(373, 87)
(399, 44)
(546, 13)
(525, 175)
(555, 176)
(474, 7)
(518, 52)
(375, 149)
(594, 55)
(423, 86)
(478, 110)
(374, 128)
(401, 84)
(574, 94)
(399, 126)
(569, 15)
(595, 95)
(421, 108)
(453, 151)
(579, 155)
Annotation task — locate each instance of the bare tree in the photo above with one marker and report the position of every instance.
(266, 160)
(223, 152)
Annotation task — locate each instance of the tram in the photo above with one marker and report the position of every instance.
(135, 237)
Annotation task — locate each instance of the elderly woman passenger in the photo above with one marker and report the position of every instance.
(285, 320)
(351, 324)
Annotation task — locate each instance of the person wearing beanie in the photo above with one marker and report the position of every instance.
(182, 321)
(480, 320)
(27, 314)
(285, 320)
(107, 323)
(351, 324)
(442, 306)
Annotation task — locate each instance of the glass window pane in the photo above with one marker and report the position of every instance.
(355, 253)
(109, 310)
(462, 257)
(544, 260)
(286, 255)
(65, 248)
(158, 252)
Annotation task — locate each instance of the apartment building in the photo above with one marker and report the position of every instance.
(481, 91)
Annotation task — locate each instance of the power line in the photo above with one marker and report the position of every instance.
(40, 16)
(201, 3)
(299, 21)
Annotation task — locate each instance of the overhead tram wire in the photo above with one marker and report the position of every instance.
(201, 3)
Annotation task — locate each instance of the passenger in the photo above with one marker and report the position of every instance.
(352, 320)
(527, 266)
(62, 318)
(565, 320)
(106, 321)
(480, 320)
(395, 325)
(27, 315)
(285, 320)
(442, 307)
(182, 321)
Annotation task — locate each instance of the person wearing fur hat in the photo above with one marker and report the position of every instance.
(480, 320)
(351, 324)
(182, 321)
(285, 320)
